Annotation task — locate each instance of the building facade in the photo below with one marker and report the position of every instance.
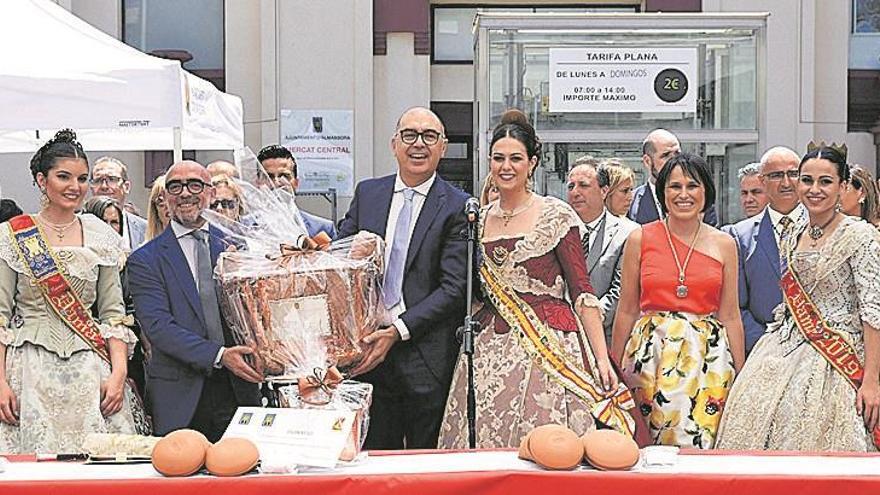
(376, 58)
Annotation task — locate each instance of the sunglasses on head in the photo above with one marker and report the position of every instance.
(226, 204)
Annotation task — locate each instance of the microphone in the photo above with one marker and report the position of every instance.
(472, 210)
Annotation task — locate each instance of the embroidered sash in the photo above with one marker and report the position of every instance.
(40, 260)
(543, 346)
(830, 344)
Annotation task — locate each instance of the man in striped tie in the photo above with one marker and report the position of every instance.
(421, 218)
(602, 234)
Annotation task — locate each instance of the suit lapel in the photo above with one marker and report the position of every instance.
(433, 203)
(647, 208)
(173, 255)
(605, 236)
(380, 203)
(766, 243)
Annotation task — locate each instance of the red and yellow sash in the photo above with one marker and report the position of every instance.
(32, 248)
(543, 346)
(830, 344)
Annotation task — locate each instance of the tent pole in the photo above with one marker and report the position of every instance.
(178, 145)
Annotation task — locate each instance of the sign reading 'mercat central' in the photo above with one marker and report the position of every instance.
(631, 79)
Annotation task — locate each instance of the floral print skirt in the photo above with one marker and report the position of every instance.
(680, 369)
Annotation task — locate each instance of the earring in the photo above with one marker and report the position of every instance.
(861, 201)
(44, 199)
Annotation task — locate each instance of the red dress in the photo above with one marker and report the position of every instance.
(658, 276)
(677, 360)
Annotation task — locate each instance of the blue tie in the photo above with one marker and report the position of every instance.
(394, 273)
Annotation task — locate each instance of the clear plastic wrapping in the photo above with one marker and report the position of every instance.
(347, 395)
(288, 296)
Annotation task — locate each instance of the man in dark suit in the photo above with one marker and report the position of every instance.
(757, 240)
(602, 234)
(659, 145)
(196, 378)
(421, 218)
(280, 167)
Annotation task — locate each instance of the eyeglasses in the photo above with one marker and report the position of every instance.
(429, 136)
(194, 186)
(108, 180)
(778, 176)
(226, 204)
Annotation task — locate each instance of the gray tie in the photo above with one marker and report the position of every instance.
(393, 288)
(207, 292)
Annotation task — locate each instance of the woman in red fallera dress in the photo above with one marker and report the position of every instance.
(541, 356)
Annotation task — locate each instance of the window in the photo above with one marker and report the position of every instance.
(190, 31)
(866, 17)
(452, 33)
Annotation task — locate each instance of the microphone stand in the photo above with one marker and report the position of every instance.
(467, 332)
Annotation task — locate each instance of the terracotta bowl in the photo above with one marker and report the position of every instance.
(180, 453)
(554, 447)
(232, 457)
(610, 450)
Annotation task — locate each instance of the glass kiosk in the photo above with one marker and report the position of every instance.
(598, 83)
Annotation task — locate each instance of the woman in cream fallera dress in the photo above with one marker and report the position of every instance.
(54, 374)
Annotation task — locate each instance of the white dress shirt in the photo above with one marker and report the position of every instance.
(397, 201)
(189, 246)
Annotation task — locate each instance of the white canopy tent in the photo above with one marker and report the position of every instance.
(58, 71)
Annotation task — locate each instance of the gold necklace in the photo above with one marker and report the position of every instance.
(817, 231)
(60, 229)
(507, 215)
(681, 291)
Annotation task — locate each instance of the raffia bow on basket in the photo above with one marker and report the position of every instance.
(304, 243)
(317, 389)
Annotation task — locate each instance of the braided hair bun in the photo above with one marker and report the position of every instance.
(62, 145)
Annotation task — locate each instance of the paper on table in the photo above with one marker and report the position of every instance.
(306, 437)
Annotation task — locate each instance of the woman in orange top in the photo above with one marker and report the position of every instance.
(678, 334)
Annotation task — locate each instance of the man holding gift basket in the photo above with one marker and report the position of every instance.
(421, 217)
(195, 377)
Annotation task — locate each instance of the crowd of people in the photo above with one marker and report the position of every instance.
(621, 307)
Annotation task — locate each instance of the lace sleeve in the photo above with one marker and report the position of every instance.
(865, 265)
(8, 280)
(111, 310)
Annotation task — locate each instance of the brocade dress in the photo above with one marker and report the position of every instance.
(677, 359)
(788, 396)
(546, 271)
(54, 374)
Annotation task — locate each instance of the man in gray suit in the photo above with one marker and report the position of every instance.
(110, 178)
(602, 234)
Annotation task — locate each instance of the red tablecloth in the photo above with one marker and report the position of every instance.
(501, 482)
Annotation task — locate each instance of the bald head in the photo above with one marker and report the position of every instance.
(188, 192)
(780, 153)
(222, 167)
(420, 112)
(779, 174)
(418, 145)
(659, 145)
